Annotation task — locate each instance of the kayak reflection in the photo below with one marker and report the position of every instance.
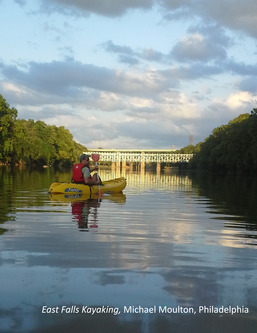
(85, 207)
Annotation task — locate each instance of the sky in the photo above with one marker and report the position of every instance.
(130, 73)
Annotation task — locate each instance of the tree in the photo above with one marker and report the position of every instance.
(65, 146)
(7, 119)
(231, 147)
(30, 142)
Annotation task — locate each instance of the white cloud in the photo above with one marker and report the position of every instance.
(240, 100)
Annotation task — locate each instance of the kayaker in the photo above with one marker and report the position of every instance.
(82, 172)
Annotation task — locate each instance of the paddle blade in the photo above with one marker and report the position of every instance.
(95, 157)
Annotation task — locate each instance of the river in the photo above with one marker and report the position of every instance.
(172, 253)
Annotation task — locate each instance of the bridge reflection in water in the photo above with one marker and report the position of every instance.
(124, 157)
(149, 180)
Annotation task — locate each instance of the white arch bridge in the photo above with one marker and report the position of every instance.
(139, 155)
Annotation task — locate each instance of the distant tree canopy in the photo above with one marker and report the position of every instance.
(190, 149)
(231, 147)
(30, 142)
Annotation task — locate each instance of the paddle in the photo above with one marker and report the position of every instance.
(95, 158)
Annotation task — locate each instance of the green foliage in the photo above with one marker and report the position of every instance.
(190, 149)
(231, 147)
(7, 119)
(30, 142)
(64, 146)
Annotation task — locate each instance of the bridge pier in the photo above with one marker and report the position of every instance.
(115, 165)
(158, 167)
(142, 166)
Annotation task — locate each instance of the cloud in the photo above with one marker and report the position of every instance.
(249, 85)
(197, 48)
(127, 55)
(241, 100)
(20, 2)
(203, 43)
(137, 134)
(150, 120)
(110, 8)
(128, 59)
(235, 15)
(152, 55)
(70, 78)
(241, 68)
(192, 72)
(111, 47)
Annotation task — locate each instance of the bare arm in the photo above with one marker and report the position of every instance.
(91, 181)
(93, 169)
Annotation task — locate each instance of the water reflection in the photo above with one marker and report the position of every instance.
(170, 239)
(231, 200)
(148, 180)
(85, 207)
(81, 210)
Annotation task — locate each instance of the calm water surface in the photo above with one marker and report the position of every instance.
(179, 241)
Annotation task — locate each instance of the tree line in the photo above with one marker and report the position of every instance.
(230, 148)
(34, 142)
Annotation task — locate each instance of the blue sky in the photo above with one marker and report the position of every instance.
(131, 73)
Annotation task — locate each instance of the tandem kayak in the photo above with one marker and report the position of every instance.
(109, 186)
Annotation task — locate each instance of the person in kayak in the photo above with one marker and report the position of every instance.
(81, 172)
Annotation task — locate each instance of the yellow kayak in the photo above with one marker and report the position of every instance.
(119, 198)
(109, 186)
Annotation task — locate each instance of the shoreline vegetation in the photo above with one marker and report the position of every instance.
(230, 148)
(29, 142)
